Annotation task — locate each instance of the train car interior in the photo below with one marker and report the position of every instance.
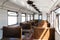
(29, 19)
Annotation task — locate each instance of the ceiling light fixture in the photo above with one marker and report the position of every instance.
(30, 2)
(33, 5)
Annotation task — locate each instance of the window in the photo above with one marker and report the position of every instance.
(58, 19)
(59, 22)
(40, 17)
(36, 16)
(28, 17)
(23, 17)
(58, 10)
(12, 18)
(31, 17)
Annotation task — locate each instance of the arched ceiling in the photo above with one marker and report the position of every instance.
(42, 5)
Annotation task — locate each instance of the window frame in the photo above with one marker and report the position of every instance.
(13, 16)
(57, 18)
(23, 16)
(39, 17)
(58, 22)
(35, 17)
(29, 17)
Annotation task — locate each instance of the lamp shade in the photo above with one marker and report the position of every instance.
(33, 5)
(30, 2)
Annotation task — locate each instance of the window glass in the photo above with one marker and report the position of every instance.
(36, 16)
(57, 11)
(40, 17)
(28, 17)
(23, 17)
(59, 22)
(12, 18)
(31, 17)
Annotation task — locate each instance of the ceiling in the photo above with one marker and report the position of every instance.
(42, 5)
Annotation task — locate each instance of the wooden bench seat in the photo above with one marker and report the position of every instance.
(44, 33)
(12, 32)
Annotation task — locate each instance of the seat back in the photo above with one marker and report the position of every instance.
(44, 23)
(9, 32)
(44, 34)
(41, 23)
(37, 33)
(26, 26)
